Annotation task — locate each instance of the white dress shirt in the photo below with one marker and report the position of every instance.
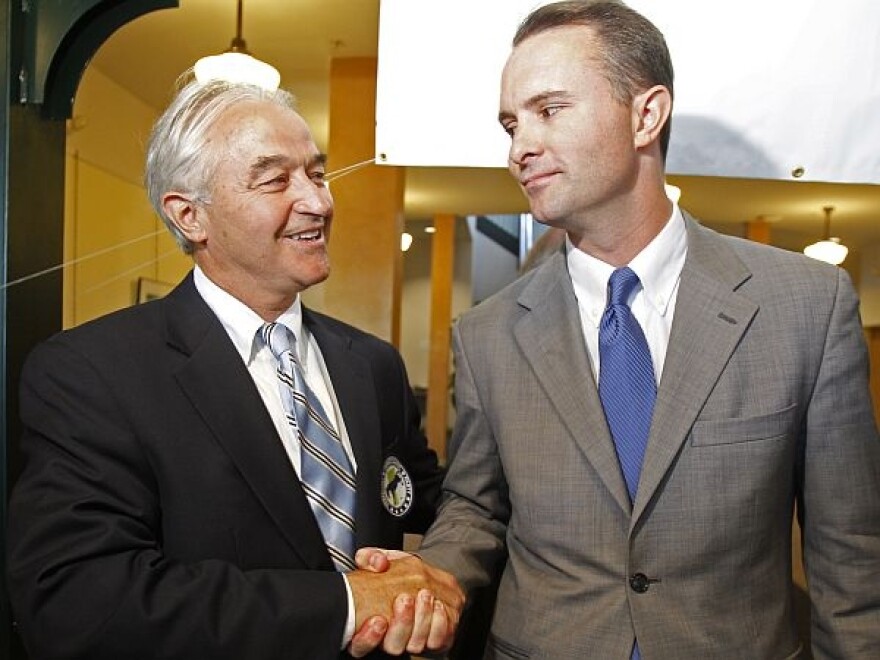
(243, 324)
(659, 268)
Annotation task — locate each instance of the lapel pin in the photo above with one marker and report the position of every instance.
(397, 488)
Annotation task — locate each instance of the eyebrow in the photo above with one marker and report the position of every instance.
(536, 100)
(264, 163)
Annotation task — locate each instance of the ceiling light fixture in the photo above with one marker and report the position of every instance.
(237, 64)
(830, 249)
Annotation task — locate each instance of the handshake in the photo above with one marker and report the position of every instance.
(402, 604)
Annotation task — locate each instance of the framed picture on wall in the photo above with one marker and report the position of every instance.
(150, 289)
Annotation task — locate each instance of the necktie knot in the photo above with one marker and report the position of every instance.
(278, 338)
(621, 284)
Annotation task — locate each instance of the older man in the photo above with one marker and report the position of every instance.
(199, 470)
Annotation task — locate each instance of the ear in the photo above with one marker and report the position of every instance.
(186, 215)
(651, 110)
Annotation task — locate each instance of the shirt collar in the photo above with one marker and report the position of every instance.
(658, 266)
(240, 321)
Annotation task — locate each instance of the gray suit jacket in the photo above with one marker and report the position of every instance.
(763, 405)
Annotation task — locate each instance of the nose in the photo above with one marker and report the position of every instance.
(524, 145)
(312, 198)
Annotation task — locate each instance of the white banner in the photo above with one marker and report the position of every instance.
(762, 87)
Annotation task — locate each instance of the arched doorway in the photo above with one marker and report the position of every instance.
(46, 47)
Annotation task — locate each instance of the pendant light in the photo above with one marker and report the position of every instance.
(830, 249)
(237, 64)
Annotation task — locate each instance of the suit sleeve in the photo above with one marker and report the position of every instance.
(468, 538)
(87, 573)
(840, 493)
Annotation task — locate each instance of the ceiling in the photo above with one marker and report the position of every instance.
(300, 37)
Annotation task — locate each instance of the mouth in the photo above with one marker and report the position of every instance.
(536, 180)
(313, 235)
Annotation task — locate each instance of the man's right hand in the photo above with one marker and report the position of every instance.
(406, 604)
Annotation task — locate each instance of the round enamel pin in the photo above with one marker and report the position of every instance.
(397, 488)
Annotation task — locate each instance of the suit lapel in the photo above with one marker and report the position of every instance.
(551, 339)
(356, 394)
(237, 417)
(710, 319)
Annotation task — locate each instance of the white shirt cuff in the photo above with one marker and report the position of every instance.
(349, 624)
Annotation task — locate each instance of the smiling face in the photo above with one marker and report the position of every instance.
(572, 141)
(262, 236)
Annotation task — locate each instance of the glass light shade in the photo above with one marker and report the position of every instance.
(830, 250)
(237, 68)
(406, 240)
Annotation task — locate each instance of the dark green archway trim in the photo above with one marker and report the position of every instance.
(61, 36)
(45, 46)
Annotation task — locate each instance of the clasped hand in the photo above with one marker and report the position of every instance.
(402, 604)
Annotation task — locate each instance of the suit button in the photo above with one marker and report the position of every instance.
(639, 583)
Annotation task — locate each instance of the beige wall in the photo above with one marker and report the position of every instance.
(415, 320)
(112, 236)
(869, 285)
(107, 212)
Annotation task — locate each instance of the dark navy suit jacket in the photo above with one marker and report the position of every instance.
(158, 516)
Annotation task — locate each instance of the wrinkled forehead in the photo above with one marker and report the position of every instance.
(260, 120)
(253, 137)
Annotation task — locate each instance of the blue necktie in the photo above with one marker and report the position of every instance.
(325, 472)
(626, 377)
(627, 386)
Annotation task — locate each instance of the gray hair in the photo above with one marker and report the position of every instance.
(178, 156)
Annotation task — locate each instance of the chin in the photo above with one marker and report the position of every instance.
(546, 217)
(318, 277)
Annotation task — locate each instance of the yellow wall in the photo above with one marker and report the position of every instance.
(112, 236)
(106, 207)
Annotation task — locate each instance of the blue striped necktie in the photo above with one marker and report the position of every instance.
(325, 472)
(627, 386)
